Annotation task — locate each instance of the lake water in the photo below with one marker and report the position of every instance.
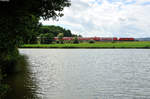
(83, 74)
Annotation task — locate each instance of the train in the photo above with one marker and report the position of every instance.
(97, 38)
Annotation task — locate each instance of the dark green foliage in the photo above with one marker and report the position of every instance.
(91, 41)
(67, 41)
(30, 37)
(19, 19)
(12, 64)
(3, 89)
(41, 30)
(47, 38)
(40, 8)
(75, 40)
(61, 42)
(18, 23)
(75, 35)
(57, 41)
(7, 64)
(55, 30)
(60, 38)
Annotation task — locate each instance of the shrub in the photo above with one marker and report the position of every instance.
(91, 41)
(57, 42)
(60, 38)
(75, 40)
(61, 42)
(3, 89)
(46, 38)
(67, 41)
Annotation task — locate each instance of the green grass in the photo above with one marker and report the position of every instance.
(144, 44)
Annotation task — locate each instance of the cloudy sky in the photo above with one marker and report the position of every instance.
(106, 18)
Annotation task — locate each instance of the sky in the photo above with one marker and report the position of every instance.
(106, 18)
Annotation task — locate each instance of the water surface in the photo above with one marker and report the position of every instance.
(84, 74)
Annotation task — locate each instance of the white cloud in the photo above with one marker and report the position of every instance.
(124, 18)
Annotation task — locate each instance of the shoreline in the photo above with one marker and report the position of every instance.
(97, 45)
(84, 48)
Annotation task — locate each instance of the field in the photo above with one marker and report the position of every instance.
(135, 44)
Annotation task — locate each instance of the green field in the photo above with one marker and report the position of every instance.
(145, 44)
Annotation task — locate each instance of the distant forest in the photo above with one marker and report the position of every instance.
(47, 30)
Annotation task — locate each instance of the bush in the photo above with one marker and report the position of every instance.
(46, 38)
(61, 42)
(92, 41)
(67, 41)
(57, 42)
(60, 38)
(3, 89)
(13, 64)
(75, 40)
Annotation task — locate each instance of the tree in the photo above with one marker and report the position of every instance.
(19, 19)
(60, 37)
(55, 30)
(75, 40)
(46, 38)
(31, 36)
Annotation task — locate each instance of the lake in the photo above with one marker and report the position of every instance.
(83, 74)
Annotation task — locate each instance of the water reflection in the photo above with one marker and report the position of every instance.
(22, 84)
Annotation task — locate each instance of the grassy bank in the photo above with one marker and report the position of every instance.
(137, 44)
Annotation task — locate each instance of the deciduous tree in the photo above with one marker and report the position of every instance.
(18, 19)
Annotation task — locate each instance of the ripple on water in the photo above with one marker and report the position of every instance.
(90, 73)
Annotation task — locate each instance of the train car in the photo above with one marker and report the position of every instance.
(84, 38)
(115, 38)
(106, 39)
(67, 38)
(98, 38)
(55, 38)
(126, 39)
(64, 38)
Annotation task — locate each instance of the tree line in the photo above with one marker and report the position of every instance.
(46, 34)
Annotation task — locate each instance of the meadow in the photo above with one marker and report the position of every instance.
(135, 44)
